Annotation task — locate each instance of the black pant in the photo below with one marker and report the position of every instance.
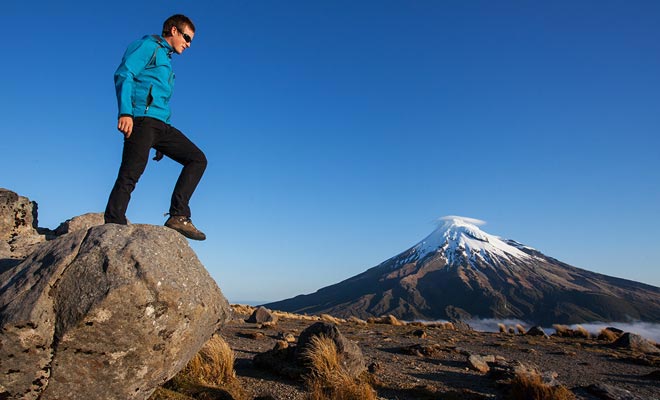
(148, 133)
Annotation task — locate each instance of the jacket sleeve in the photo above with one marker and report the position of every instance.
(136, 58)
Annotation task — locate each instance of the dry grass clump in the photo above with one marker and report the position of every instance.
(387, 319)
(328, 380)
(565, 331)
(501, 327)
(562, 330)
(530, 386)
(580, 331)
(300, 317)
(209, 373)
(607, 335)
(331, 319)
(243, 309)
(443, 325)
(521, 330)
(357, 321)
(213, 364)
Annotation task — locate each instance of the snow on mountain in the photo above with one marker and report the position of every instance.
(461, 236)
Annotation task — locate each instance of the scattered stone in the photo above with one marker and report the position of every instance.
(261, 316)
(609, 392)
(633, 341)
(287, 337)
(478, 363)
(654, 376)
(537, 331)
(420, 333)
(133, 299)
(255, 335)
(422, 350)
(281, 344)
(375, 367)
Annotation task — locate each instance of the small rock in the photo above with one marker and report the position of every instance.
(537, 331)
(478, 363)
(609, 392)
(420, 333)
(261, 316)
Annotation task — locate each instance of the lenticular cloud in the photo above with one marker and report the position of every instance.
(468, 220)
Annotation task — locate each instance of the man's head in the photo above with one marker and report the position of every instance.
(178, 31)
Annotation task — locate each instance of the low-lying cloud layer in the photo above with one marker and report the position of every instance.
(646, 329)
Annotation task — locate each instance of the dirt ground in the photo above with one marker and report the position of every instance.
(445, 372)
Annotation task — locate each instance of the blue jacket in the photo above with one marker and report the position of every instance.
(144, 80)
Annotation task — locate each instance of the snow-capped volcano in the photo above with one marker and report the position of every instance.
(461, 236)
(460, 271)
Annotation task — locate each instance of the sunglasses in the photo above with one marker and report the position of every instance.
(186, 37)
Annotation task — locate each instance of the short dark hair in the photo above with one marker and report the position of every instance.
(178, 21)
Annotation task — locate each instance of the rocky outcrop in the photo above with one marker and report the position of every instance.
(107, 312)
(79, 222)
(18, 226)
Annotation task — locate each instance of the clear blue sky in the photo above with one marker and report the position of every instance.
(338, 131)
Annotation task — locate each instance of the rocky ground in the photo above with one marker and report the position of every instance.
(423, 362)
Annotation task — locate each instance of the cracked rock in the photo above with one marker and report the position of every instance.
(107, 312)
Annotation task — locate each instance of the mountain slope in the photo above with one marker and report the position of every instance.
(460, 271)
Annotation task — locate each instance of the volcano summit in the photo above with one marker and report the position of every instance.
(460, 271)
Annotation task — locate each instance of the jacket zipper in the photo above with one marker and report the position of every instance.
(150, 99)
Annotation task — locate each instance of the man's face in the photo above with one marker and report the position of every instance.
(181, 39)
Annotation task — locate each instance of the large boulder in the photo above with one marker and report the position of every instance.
(635, 342)
(109, 312)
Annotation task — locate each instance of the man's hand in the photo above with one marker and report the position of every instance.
(125, 125)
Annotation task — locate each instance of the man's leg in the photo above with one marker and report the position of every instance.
(178, 147)
(133, 162)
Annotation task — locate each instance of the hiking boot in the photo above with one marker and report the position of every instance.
(184, 226)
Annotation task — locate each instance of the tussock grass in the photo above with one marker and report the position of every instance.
(328, 380)
(521, 329)
(243, 309)
(387, 319)
(530, 386)
(580, 331)
(209, 374)
(565, 331)
(607, 335)
(213, 364)
(501, 327)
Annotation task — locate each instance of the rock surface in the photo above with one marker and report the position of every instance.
(18, 225)
(109, 312)
(79, 222)
(633, 341)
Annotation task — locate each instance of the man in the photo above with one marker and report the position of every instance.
(144, 82)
